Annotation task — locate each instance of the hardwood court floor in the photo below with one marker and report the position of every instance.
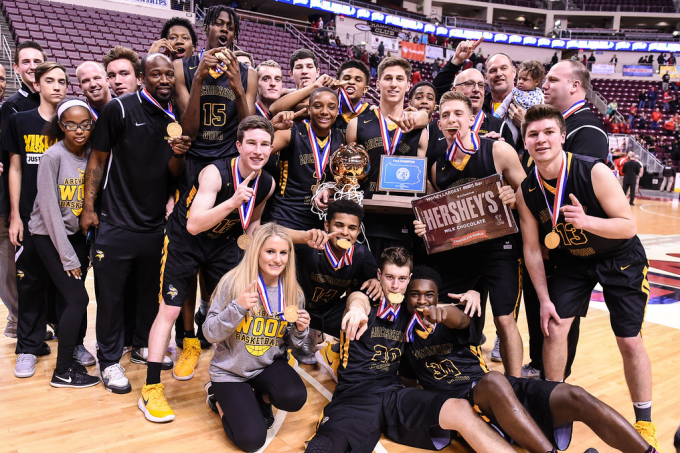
(35, 417)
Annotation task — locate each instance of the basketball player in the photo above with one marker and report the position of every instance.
(123, 70)
(369, 399)
(495, 261)
(423, 97)
(598, 247)
(178, 39)
(405, 135)
(27, 57)
(269, 87)
(538, 415)
(245, 58)
(25, 143)
(133, 208)
(304, 69)
(95, 86)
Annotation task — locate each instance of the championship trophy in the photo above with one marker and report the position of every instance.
(349, 166)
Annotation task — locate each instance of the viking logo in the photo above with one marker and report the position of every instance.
(173, 292)
(100, 255)
(20, 274)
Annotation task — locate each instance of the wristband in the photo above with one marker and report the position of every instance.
(178, 155)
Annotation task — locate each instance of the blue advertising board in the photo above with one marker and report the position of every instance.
(402, 174)
(638, 70)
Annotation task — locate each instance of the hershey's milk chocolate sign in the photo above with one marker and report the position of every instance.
(464, 215)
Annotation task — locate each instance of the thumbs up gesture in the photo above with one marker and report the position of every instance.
(575, 214)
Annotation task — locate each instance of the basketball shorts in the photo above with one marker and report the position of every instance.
(408, 416)
(624, 283)
(184, 254)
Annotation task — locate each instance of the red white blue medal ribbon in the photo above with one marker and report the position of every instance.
(478, 121)
(93, 112)
(390, 145)
(387, 311)
(320, 156)
(345, 259)
(458, 145)
(260, 109)
(416, 320)
(145, 94)
(245, 210)
(346, 103)
(266, 303)
(560, 189)
(567, 113)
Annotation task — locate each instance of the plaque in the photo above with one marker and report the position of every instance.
(402, 174)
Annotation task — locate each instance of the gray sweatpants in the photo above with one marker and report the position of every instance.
(8, 273)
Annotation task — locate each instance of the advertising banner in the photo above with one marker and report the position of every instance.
(602, 68)
(433, 52)
(391, 44)
(387, 31)
(413, 51)
(163, 4)
(673, 71)
(638, 70)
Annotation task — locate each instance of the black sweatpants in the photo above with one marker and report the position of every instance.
(243, 421)
(630, 186)
(72, 291)
(117, 254)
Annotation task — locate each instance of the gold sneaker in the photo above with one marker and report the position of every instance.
(191, 351)
(154, 405)
(648, 432)
(329, 360)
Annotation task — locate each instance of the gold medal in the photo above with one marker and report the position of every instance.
(174, 130)
(243, 241)
(395, 298)
(344, 243)
(290, 313)
(552, 240)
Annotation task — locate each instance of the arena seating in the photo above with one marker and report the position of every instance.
(665, 6)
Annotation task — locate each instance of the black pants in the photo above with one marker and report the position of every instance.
(630, 186)
(243, 421)
(118, 253)
(72, 291)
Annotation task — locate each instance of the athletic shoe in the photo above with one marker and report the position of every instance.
(114, 379)
(266, 409)
(126, 349)
(496, 352)
(11, 329)
(83, 356)
(305, 353)
(154, 405)
(648, 432)
(44, 350)
(292, 361)
(25, 366)
(184, 370)
(140, 356)
(329, 360)
(55, 329)
(49, 336)
(74, 377)
(482, 340)
(530, 372)
(210, 398)
(200, 319)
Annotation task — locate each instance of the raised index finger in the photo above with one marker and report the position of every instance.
(479, 41)
(250, 287)
(300, 112)
(574, 199)
(249, 178)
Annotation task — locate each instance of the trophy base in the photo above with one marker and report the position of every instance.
(389, 204)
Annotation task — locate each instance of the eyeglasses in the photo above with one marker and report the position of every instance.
(74, 127)
(470, 84)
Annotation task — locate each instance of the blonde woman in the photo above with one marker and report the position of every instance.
(249, 371)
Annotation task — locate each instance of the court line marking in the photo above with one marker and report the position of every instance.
(271, 433)
(642, 208)
(329, 396)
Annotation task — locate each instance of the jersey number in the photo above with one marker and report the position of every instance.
(571, 235)
(443, 369)
(214, 115)
(384, 355)
(323, 296)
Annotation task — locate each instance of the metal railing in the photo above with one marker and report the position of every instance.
(200, 13)
(648, 160)
(600, 103)
(7, 55)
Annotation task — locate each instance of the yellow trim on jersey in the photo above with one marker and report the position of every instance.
(515, 311)
(283, 179)
(390, 126)
(645, 289)
(323, 142)
(461, 166)
(344, 349)
(477, 351)
(164, 259)
(551, 188)
(350, 117)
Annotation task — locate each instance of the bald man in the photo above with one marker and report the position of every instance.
(95, 85)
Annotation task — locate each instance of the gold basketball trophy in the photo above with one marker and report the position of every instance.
(349, 166)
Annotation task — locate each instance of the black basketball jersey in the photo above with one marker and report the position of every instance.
(218, 117)
(322, 285)
(476, 166)
(444, 362)
(343, 119)
(574, 242)
(292, 201)
(230, 226)
(371, 362)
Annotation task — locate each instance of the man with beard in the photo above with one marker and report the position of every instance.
(178, 39)
(132, 212)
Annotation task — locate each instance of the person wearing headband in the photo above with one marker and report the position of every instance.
(26, 143)
(494, 262)
(145, 148)
(56, 233)
(592, 232)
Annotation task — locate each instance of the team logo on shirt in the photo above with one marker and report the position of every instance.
(36, 145)
(260, 332)
(173, 291)
(20, 274)
(100, 255)
(71, 193)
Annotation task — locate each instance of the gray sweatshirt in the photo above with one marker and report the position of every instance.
(59, 201)
(246, 345)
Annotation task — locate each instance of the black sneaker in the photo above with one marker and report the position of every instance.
(200, 319)
(44, 350)
(74, 377)
(179, 331)
(210, 398)
(267, 411)
(139, 356)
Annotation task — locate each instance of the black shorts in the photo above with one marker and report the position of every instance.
(534, 395)
(191, 170)
(624, 283)
(329, 320)
(184, 254)
(499, 269)
(408, 416)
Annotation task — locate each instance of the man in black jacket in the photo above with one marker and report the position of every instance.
(632, 170)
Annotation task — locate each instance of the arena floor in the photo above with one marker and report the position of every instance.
(35, 417)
